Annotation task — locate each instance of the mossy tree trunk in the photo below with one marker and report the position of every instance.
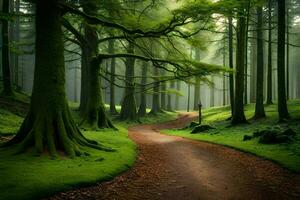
(7, 83)
(155, 97)
(129, 110)
(94, 113)
(163, 94)
(112, 105)
(84, 79)
(259, 105)
(143, 105)
(48, 125)
(169, 105)
(282, 104)
(238, 111)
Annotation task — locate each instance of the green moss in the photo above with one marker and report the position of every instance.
(9, 122)
(30, 177)
(287, 155)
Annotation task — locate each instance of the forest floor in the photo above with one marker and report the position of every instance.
(171, 167)
(26, 176)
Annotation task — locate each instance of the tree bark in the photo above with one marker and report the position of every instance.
(259, 105)
(94, 113)
(163, 92)
(177, 96)
(7, 83)
(238, 112)
(197, 84)
(169, 105)
(112, 105)
(287, 54)
(155, 99)
(282, 104)
(128, 110)
(48, 125)
(143, 105)
(270, 57)
(231, 78)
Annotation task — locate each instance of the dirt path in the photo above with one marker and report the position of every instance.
(174, 168)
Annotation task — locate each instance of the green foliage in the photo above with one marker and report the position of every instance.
(286, 154)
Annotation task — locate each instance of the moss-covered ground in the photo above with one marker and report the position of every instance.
(285, 154)
(26, 176)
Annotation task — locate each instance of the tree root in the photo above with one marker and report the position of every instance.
(53, 133)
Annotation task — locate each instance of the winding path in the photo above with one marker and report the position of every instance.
(173, 168)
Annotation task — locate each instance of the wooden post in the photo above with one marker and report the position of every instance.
(200, 113)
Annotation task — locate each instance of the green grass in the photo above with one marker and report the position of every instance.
(26, 176)
(30, 177)
(287, 155)
(9, 122)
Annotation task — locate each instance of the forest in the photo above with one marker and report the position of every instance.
(149, 99)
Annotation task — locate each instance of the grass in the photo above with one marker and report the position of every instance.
(26, 176)
(287, 154)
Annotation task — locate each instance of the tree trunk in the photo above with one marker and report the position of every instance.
(163, 95)
(169, 106)
(177, 96)
(189, 97)
(112, 105)
(259, 105)
(270, 67)
(197, 84)
(84, 80)
(231, 79)
(212, 93)
(287, 54)
(143, 106)
(48, 125)
(155, 102)
(128, 110)
(7, 83)
(282, 104)
(197, 94)
(94, 114)
(238, 112)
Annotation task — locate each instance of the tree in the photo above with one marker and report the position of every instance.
(270, 57)
(163, 95)
(238, 111)
(169, 105)
(178, 84)
(155, 97)
(48, 125)
(112, 105)
(7, 83)
(128, 110)
(143, 105)
(259, 105)
(281, 84)
(197, 85)
(93, 113)
(231, 78)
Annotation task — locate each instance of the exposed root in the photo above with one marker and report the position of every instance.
(53, 133)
